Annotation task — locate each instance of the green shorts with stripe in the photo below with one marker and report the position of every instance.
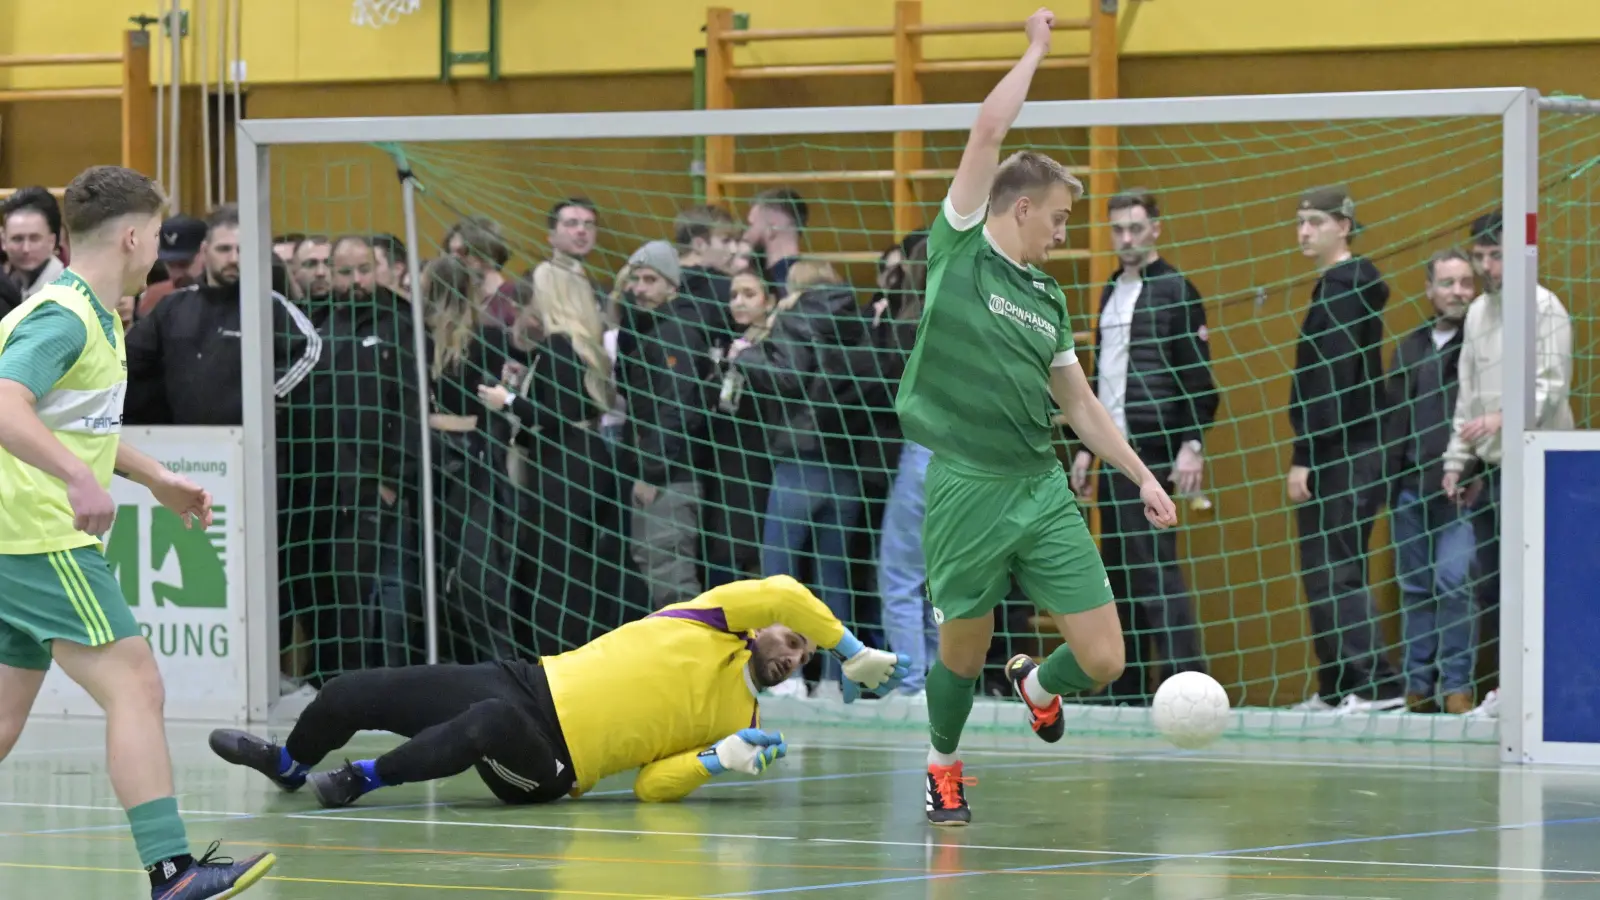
(982, 528)
(68, 595)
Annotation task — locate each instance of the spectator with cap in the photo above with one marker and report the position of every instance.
(1336, 471)
(665, 382)
(30, 221)
(181, 242)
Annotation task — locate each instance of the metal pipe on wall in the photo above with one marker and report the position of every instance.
(224, 63)
(159, 79)
(202, 73)
(174, 176)
(235, 71)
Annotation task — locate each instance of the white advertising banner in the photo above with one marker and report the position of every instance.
(185, 586)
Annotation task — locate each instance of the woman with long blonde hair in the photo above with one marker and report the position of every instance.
(553, 405)
(476, 599)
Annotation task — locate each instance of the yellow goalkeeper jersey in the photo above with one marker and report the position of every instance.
(657, 692)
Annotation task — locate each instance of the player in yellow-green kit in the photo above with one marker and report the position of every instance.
(992, 372)
(673, 695)
(63, 375)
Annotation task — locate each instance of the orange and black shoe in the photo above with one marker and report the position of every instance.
(1046, 720)
(947, 795)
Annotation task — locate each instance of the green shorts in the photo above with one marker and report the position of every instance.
(982, 528)
(68, 595)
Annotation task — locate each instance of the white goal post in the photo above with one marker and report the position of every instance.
(1523, 717)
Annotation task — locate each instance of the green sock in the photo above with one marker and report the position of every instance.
(158, 831)
(949, 704)
(1061, 674)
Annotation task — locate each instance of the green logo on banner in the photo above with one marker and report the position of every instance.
(202, 578)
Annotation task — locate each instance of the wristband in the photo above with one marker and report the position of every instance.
(848, 646)
(708, 759)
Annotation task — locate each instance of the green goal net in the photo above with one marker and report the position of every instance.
(594, 449)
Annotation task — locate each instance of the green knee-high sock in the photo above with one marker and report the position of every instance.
(949, 704)
(158, 831)
(1061, 673)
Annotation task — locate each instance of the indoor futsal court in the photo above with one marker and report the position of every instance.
(842, 818)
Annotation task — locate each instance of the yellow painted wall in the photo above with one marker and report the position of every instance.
(289, 41)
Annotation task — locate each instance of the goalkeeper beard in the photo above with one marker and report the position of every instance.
(776, 653)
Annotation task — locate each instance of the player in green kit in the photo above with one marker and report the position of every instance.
(63, 374)
(993, 371)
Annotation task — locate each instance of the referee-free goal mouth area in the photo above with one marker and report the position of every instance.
(842, 816)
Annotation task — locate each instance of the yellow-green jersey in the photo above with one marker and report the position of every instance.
(66, 348)
(976, 389)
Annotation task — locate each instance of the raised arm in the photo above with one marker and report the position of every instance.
(780, 600)
(974, 176)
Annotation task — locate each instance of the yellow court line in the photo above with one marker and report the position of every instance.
(388, 884)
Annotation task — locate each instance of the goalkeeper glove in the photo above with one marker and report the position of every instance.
(877, 671)
(749, 751)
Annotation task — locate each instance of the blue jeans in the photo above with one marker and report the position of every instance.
(816, 500)
(902, 571)
(1434, 548)
(395, 597)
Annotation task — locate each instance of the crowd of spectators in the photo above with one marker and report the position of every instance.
(603, 444)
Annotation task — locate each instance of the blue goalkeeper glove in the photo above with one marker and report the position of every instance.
(867, 670)
(750, 751)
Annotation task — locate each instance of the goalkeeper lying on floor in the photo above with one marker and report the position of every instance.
(673, 695)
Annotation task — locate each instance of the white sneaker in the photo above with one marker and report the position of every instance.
(1352, 705)
(1490, 707)
(794, 686)
(1314, 703)
(829, 692)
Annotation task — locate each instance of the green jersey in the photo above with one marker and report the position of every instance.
(977, 386)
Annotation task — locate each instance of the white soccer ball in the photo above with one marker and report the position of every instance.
(1190, 710)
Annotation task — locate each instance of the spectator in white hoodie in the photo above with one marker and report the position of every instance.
(1472, 461)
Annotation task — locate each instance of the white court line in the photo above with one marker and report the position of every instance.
(1179, 756)
(926, 844)
(1293, 859)
(1411, 865)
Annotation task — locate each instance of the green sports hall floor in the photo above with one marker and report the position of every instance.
(842, 818)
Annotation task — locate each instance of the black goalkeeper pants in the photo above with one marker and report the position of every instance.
(496, 717)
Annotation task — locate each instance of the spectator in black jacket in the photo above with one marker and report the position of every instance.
(663, 355)
(551, 401)
(737, 481)
(776, 220)
(1153, 375)
(476, 504)
(354, 460)
(1335, 475)
(10, 296)
(184, 365)
(813, 370)
(708, 240)
(1433, 535)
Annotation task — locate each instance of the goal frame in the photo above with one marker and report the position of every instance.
(1517, 108)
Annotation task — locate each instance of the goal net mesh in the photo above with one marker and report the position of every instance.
(543, 540)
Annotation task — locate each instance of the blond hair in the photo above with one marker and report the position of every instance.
(805, 274)
(450, 303)
(576, 316)
(1026, 172)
